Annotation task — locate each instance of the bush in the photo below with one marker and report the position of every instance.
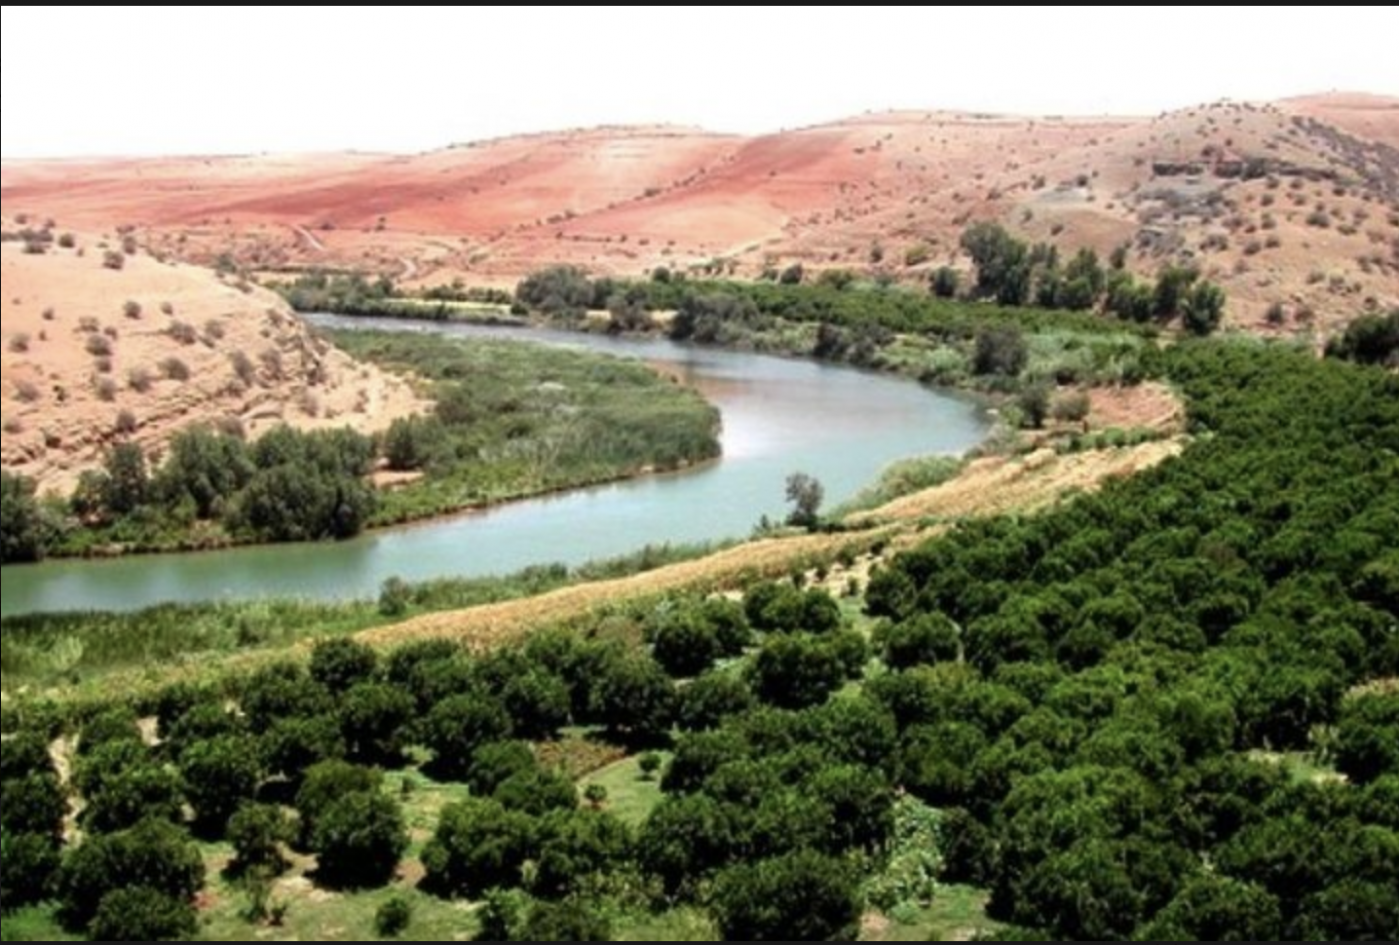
(113, 260)
(341, 664)
(804, 897)
(326, 783)
(28, 864)
(131, 310)
(946, 283)
(144, 915)
(393, 918)
(1071, 408)
(220, 776)
(257, 833)
(1001, 352)
(359, 840)
(175, 370)
(19, 343)
(99, 346)
(154, 856)
(478, 846)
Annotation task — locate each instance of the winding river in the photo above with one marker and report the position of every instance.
(780, 416)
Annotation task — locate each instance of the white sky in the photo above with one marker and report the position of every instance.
(137, 80)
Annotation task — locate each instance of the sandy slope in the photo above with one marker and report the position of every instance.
(859, 193)
(81, 369)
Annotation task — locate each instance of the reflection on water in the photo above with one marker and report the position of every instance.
(780, 416)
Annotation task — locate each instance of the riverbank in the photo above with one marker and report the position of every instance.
(511, 422)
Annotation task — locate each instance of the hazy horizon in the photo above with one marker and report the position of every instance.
(81, 82)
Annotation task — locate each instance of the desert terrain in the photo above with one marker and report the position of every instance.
(101, 346)
(1292, 206)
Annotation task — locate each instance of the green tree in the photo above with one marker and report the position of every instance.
(796, 671)
(220, 776)
(711, 699)
(1000, 352)
(457, 727)
(923, 640)
(131, 795)
(28, 864)
(578, 847)
(1215, 908)
(257, 833)
(1370, 339)
(326, 783)
(393, 918)
(686, 644)
(1203, 309)
(478, 846)
(342, 664)
(946, 282)
(205, 469)
(634, 697)
(33, 805)
(805, 494)
(24, 534)
(804, 897)
(153, 855)
(373, 719)
(126, 481)
(358, 841)
(141, 914)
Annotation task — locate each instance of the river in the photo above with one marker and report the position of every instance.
(780, 416)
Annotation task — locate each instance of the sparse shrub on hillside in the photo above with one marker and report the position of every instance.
(140, 380)
(243, 367)
(99, 346)
(183, 332)
(67, 241)
(19, 344)
(126, 423)
(113, 260)
(131, 310)
(106, 389)
(1276, 314)
(1071, 408)
(946, 282)
(174, 369)
(792, 275)
(27, 392)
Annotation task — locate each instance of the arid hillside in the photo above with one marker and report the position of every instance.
(102, 346)
(1293, 206)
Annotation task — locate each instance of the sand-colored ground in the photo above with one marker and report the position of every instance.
(94, 355)
(1317, 232)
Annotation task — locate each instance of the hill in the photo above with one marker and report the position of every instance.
(102, 346)
(1293, 204)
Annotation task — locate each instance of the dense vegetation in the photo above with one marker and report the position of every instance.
(511, 420)
(1089, 714)
(353, 294)
(514, 419)
(951, 343)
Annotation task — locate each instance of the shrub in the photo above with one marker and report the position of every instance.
(804, 897)
(99, 346)
(19, 344)
(1000, 351)
(393, 918)
(175, 370)
(946, 282)
(183, 332)
(140, 380)
(154, 856)
(220, 776)
(67, 241)
(341, 664)
(1072, 408)
(359, 840)
(28, 863)
(131, 310)
(143, 915)
(106, 389)
(257, 833)
(113, 260)
(917, 255)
